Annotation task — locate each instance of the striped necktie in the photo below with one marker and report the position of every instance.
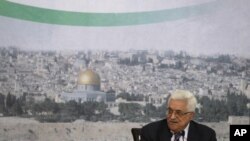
(178, 135)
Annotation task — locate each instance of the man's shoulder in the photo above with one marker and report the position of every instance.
(201, 127)
(155, 124)
(154, 129)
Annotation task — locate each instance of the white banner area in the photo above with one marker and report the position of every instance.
(107, 6)
(152, 24)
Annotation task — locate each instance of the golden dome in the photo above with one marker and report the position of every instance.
(88, 77)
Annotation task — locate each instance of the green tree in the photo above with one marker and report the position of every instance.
(236, 104)
(10, 100)
(16, 108)
(36, 108)
(150, 110)
(131, 111)
(50, 106)
(2, 104)
(71, 108)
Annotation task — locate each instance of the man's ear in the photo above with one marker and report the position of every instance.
(192, 114)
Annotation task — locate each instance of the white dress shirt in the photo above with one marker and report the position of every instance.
(185, 136)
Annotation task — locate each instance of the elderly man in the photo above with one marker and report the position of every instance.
(179, 124)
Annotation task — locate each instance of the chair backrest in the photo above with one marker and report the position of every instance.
(136, 132)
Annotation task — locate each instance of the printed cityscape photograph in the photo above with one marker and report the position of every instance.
(121, 70)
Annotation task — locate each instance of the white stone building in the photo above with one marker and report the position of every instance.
(88, 89)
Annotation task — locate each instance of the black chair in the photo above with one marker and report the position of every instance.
(136, 132)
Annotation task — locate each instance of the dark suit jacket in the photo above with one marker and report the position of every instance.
(159, 131)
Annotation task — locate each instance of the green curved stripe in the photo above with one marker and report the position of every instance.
(43, 15)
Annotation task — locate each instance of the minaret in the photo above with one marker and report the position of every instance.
(16, 86)
(245, 84)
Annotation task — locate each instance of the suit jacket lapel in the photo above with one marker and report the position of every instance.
(192, 133)
(164, 132)
(165, 136)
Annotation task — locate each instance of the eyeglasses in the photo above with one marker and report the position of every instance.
(178, 113)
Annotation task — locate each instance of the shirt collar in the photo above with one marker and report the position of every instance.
(185, 130)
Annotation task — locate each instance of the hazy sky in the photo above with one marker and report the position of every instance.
(224, 30)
